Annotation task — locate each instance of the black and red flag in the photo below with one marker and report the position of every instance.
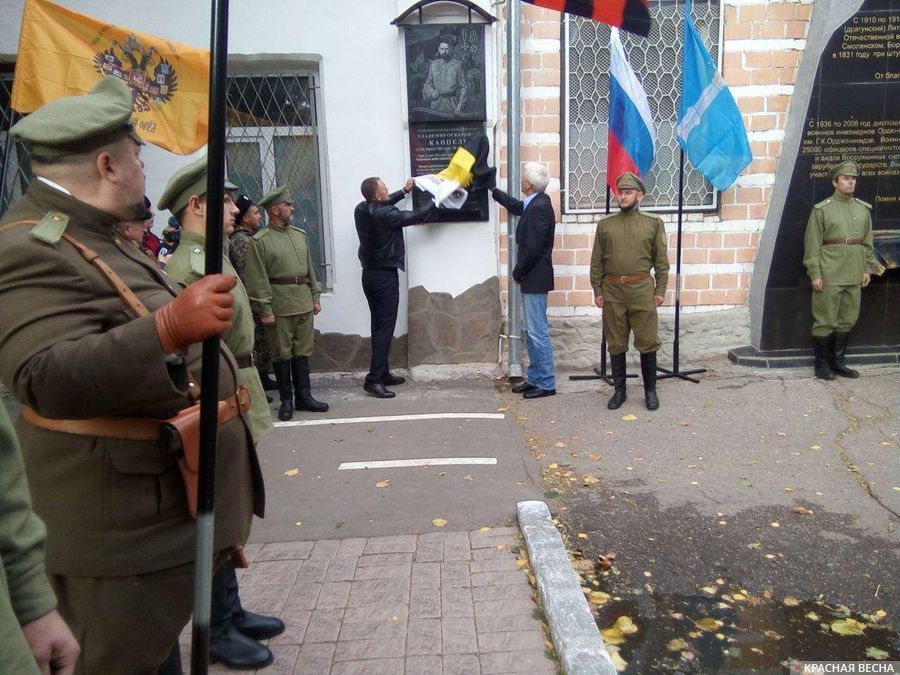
(630, 15)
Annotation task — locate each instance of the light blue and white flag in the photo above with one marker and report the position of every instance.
(710, 127)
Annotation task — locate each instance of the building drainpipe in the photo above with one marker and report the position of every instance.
(513, 133)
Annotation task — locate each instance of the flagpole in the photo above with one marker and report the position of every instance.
(513, 136)
(209, 386)
(675, 372)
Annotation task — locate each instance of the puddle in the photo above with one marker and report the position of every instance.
(749, 634)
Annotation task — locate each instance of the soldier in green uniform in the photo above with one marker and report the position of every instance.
(839, 259)
(33, 637)
(96, 368)
(627, 245)
(281, 282)
(234, 632)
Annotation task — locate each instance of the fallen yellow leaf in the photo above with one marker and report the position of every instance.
(803, 511)
(709, 624)
(468, 476)
(739, 596)
(594, 458)
(291, 472)
(676, 645)
(439, 522)
(587, 479)
(582, 535)
(629, 417)
(775, 524)
(553, 466)
(521, 563)
(484, 529)
(298, 523)
(626, 625)
(612, 636)
(712, 590)
(599, 597)
(620, 664)
(812, 616)
(848, 627)
(772, 634)
(382, 483)
(791, 601)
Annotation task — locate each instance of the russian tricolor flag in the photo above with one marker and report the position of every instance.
(632, 135)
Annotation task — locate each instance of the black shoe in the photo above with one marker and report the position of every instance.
(237, 651)
(648, 375)
(822, 351)
(619, 374)
(257, 626)
(521, 387)
(537, 392)
(391, 380)
(378, 391)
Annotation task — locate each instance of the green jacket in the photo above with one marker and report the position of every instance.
(187, 265)
(839, 217)
(281, 253)
(25, 593)
(70, 349)
(628, 243)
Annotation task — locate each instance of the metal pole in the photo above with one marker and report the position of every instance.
(209, 379)
(678, 260)
(513, 133)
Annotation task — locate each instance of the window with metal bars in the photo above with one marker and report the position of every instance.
(272, 139)
(15, 169)
(656, 61)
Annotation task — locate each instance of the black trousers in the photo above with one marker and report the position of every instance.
(382, 289)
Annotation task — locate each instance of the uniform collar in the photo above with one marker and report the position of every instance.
(50, 197)
(192, 238)
(840, 197)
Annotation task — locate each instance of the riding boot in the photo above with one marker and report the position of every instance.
(618, 373)
(648, 375)
(303, 398)
(283, 377)
(226, 643)
(267, 382)
(837, 355)
(822, 346)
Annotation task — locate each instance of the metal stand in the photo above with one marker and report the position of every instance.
(675, 372)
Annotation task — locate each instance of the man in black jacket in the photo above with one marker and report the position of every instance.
(534, 274)
(382, 251)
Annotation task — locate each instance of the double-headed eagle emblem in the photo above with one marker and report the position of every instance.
(132, 64)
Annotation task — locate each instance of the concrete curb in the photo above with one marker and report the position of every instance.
(572, 626)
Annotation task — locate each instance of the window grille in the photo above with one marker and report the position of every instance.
(15, 169)
(272, 139)
(657, 62)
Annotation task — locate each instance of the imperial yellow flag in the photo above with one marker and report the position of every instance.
(62, 53)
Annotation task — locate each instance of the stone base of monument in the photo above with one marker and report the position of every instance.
(801, 358)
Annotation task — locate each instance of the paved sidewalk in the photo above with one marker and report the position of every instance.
(437, 603)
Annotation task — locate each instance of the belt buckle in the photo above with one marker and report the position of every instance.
(622, 278)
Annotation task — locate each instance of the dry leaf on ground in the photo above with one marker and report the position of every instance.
(382, 483)
(439, 522)
(629, 417)
(803, 511)
(291, 472)
(676, 645)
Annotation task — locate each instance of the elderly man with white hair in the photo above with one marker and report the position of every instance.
(534, 274)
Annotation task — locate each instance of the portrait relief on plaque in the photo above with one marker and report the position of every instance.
(445, 72)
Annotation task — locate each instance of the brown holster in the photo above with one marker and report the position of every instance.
(179, 434)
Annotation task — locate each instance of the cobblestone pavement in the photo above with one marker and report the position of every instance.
(437, 603)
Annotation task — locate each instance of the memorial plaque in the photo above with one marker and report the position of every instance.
(853, 113)
(431, 146)
(445, 73)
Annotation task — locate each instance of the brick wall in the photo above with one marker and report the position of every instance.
(763, 44)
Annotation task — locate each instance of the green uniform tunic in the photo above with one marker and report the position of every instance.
(279, 253)
(839, 266)
(187, 265)
(25, 593)
(629, 243)
(115, 509)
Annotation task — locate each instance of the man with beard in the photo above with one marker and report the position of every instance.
(627, 245)
(100, 345)
(445, 87)
(281, 282)
(234, 632)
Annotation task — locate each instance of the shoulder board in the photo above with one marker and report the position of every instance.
(262, 233)
(822, 203)
(608, 216)
(297, 229)
(198, 260)
(866, 204)
(51, 227)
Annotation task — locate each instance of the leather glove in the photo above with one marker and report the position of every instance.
(202, 310)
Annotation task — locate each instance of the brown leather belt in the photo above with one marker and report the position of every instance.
(845, 242)
(245, 361)
(626, 278)
(131, 428)
(289, 281)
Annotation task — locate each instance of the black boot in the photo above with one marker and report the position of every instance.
(255, 626)
(283, 376)
(648, 375)
(618, 373)
(822, 346)
(304, 399)
(227, 644)
(838, 353)
(268, 382)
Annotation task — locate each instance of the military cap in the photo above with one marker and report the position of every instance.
(630, 180)
(279, 195)
(75, 124)
(187, 181)
(845, 168)
(243, 203)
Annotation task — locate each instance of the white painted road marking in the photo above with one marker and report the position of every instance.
(401, 463)
(392, 418)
